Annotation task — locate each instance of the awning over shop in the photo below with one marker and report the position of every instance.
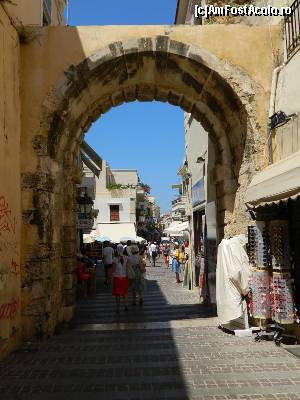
(117, 231)
(89, 164)
(171, 226)
(276, 183)
(176, 228)
(92, 154)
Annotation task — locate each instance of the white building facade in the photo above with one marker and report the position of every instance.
(116, 201)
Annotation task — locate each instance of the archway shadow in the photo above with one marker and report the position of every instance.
(131, 363)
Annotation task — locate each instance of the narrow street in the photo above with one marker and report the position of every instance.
(168, 349)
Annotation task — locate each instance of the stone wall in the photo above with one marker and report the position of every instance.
(10, 198)
(73, 75)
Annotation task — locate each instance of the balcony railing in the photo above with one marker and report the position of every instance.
(180, 199)
(292, 29)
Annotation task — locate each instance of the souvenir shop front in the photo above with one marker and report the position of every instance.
(274, 249)
(205, 243)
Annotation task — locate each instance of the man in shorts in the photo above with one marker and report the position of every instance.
(153, 253)
(107, 257)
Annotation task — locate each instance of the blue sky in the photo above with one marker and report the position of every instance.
(122, 12)
(143, 136)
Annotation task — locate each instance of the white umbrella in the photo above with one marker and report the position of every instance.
(140, 239)
(126, 238)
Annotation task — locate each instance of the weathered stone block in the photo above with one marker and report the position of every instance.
(69, 281)
(178, 48)
(69, 264)
(118, 98)
(162, 43)
(69, 233)
(116, 49)
(38, 290)
(186, 105)
(69, 249)
(162, 95)
(145, 45)
(40, 145)
(145, 93)
(69, 297)
(174, 98)
(130, 94)
(38, 181)
(68, 313)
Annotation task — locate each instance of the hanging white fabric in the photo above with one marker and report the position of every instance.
(232, 278)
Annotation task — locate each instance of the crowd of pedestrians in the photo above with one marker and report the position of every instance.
(125, 267)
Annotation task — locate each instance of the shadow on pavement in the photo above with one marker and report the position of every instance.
(109, 364)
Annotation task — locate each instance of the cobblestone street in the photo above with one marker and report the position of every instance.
(168, 349)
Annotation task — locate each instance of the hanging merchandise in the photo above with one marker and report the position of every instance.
(270, 282)
(259, 303)
(202, 278)
(280, 248)
(259, 245)
(282, 303)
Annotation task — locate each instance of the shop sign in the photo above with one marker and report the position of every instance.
(85, 223)
(198, 193)
(81, 215)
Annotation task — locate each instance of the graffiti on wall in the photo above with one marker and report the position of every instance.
(10, 310)
(9, 264)
(9, 246)
(7, 220)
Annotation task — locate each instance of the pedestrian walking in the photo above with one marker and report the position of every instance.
(138, 282)
(127, 248)
(176, 263)
(121, 263)
(144, 253)
(148, 251)
(153, 253)
(83, 274)
(107, 257)
(166, 253)
(181, 256)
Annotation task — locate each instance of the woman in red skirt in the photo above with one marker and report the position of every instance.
(120, 277)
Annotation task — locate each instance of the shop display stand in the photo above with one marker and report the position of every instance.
(271, 292)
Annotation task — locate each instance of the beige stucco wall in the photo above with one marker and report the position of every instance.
(288, 87)
(286, 139)
(10, 207)
(27, 12)
(30, 12)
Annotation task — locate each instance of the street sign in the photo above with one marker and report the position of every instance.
(198, 192)
(85, 224)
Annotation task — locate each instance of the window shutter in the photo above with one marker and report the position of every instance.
(114, 213)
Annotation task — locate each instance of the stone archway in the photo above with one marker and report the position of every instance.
(216, 93)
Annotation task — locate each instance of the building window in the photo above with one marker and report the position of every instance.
(114, 213)
(47, 10)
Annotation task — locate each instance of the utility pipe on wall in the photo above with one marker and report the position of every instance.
(275, 76)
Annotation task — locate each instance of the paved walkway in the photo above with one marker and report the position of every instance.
(168, 349)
